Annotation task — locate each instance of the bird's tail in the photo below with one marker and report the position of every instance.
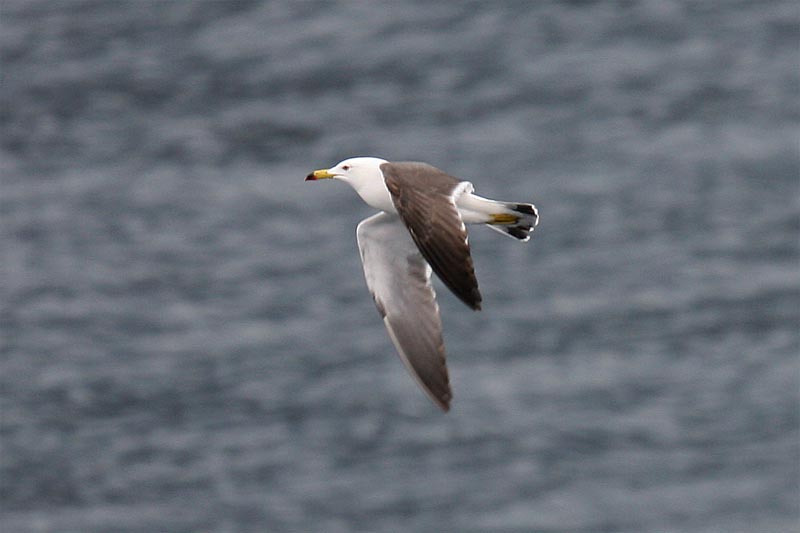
(515, 220)
(509, 218)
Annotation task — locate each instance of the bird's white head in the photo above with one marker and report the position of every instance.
(355, 171)
(364, 175)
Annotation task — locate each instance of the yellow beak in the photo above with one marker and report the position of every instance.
(319, 175)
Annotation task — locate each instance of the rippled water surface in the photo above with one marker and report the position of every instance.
(187, 341)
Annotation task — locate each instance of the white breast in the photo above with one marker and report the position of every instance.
(375, 194)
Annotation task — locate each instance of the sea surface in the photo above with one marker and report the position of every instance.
(187, 341)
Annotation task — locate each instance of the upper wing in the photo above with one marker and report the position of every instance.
(399, 280)
(425, 199)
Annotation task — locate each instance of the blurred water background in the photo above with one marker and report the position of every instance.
(187, 341)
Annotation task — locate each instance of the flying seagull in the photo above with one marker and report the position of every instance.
(421, 228)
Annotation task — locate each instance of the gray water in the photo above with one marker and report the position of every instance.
(187, 340)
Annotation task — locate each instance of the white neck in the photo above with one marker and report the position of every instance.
(375, 194)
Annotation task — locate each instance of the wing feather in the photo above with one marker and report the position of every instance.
(399, 279)
(425, 198)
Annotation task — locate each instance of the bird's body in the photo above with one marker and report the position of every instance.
(421, 228)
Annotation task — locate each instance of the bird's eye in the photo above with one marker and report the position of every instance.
(346, 168)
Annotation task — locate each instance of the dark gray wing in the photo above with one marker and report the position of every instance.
(399, 280)
(425, 199)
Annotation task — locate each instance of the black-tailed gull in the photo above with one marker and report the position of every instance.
(421, 228)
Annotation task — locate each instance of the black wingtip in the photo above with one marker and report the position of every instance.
(471, 299)
(444, 401)
(474, 304)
